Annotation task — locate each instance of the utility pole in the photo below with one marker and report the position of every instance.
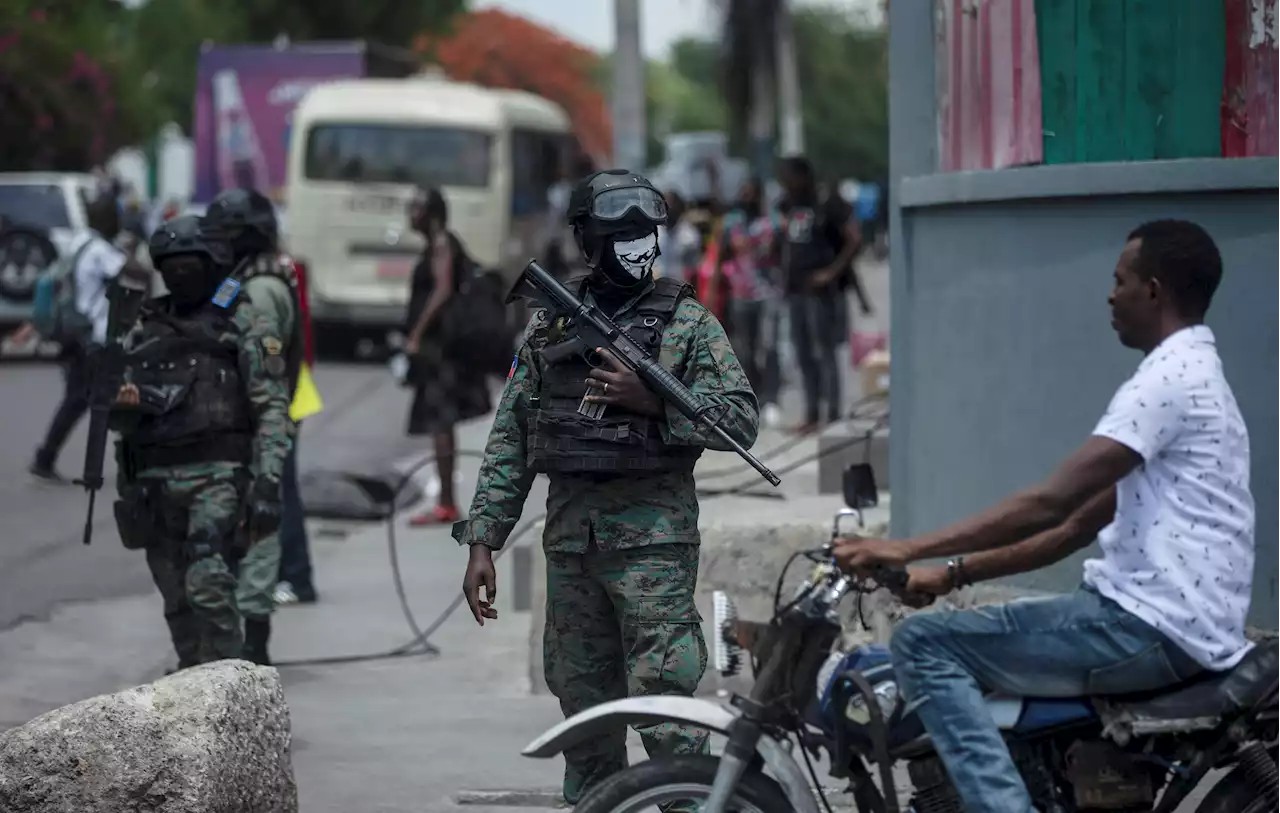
(764, 111)
(629, 137)
(791, 120)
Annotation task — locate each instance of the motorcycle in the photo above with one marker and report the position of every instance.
(1118, 753)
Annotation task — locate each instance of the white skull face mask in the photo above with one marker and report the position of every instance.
(637, 256)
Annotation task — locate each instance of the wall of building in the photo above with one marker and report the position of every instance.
(1003, 357)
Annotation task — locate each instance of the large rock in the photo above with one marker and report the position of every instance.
(212, 739)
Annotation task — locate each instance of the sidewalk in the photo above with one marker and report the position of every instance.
(417, 733)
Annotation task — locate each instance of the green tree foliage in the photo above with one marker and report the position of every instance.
(843, 72)
(70, 96)
(167, 34)
(165, 37)
(390, 22)
(79, 79)
(844, 87)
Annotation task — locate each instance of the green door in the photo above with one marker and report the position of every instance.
(1130, 80)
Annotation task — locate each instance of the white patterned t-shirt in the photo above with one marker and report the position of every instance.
(1180, 552)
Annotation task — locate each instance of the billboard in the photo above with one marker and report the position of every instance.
(245, 97)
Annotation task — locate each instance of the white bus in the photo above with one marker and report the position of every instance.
(360, 147)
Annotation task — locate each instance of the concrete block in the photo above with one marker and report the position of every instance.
(522, 577)
(839, 448)
(538, 610)
(745, 545)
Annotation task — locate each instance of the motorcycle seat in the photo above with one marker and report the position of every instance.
(1209, 694)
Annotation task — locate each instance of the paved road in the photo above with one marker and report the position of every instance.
(42, 561)
(54, 591)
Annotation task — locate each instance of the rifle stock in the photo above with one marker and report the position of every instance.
(107, 364)
(591, 326)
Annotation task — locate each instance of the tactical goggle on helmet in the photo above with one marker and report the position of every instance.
(614, 203)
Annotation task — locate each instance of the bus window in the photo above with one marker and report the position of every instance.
(536, 163)
(400, 154)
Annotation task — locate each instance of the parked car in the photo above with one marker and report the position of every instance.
(40, 215)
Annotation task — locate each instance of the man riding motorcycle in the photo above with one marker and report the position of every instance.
(1163, 482)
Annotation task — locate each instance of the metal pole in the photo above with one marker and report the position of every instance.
(764, 114)
(791, 118)
(628, 88)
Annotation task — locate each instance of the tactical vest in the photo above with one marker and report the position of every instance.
(195, 408)
(619, 442)
(280, 267)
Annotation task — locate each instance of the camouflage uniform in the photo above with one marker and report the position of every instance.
(194, 510)
(259, 570)
(622, 553)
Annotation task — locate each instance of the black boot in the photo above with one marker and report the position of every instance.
(257, 631)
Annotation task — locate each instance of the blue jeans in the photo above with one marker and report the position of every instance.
(295, 557)
(1074, 645)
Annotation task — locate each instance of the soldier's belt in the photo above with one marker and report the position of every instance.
(235, 448)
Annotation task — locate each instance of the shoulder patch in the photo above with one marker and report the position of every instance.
(515, 364)
(272, 346)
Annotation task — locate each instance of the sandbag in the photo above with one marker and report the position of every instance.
(345, 495)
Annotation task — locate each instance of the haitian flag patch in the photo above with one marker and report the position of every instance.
(515, 362)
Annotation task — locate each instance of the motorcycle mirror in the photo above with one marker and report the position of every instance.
(836, 532)
(859, 485)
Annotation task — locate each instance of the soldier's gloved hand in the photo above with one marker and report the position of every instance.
(264, 508)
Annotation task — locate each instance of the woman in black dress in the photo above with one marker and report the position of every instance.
(445, 392)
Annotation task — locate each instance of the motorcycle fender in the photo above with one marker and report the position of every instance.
(686, 710)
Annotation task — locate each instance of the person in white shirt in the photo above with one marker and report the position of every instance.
(98, 264)
(1162, 483)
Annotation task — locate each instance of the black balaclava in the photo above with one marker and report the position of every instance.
(191, 279)
(192, 261)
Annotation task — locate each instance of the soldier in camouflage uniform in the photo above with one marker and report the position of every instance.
(621, 535)
(247, 220)
(204, 425)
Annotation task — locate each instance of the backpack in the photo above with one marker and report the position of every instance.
(476, 325)
(54, 313)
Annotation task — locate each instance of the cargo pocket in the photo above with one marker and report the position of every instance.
(666, 650)
(1146, 671)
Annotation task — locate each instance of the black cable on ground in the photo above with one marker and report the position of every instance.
(420, 643)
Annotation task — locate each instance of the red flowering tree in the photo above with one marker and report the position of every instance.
(496, 49)
(66, 107)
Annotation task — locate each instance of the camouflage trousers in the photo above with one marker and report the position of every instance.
(623, 624)
(198, 514)
(258, 573)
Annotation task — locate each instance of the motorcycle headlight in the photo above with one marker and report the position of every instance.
(726, 650)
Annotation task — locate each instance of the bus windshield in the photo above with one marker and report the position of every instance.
(399, 154)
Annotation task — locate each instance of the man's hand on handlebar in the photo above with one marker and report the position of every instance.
(884, 561)
(864, 557)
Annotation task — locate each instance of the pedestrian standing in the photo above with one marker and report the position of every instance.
(818, 246)
(446, 391)
(97, 262)
(246, 219)
(621, 535)
(204, 432)
(756, 294)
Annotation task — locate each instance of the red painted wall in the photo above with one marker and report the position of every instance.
(1249, 87)
(988, 66)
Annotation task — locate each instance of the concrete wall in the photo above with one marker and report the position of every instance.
(1003, 357)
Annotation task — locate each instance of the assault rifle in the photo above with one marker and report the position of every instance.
(124, 297)
(590, 326)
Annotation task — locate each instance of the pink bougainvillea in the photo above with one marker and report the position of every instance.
(60, 109)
